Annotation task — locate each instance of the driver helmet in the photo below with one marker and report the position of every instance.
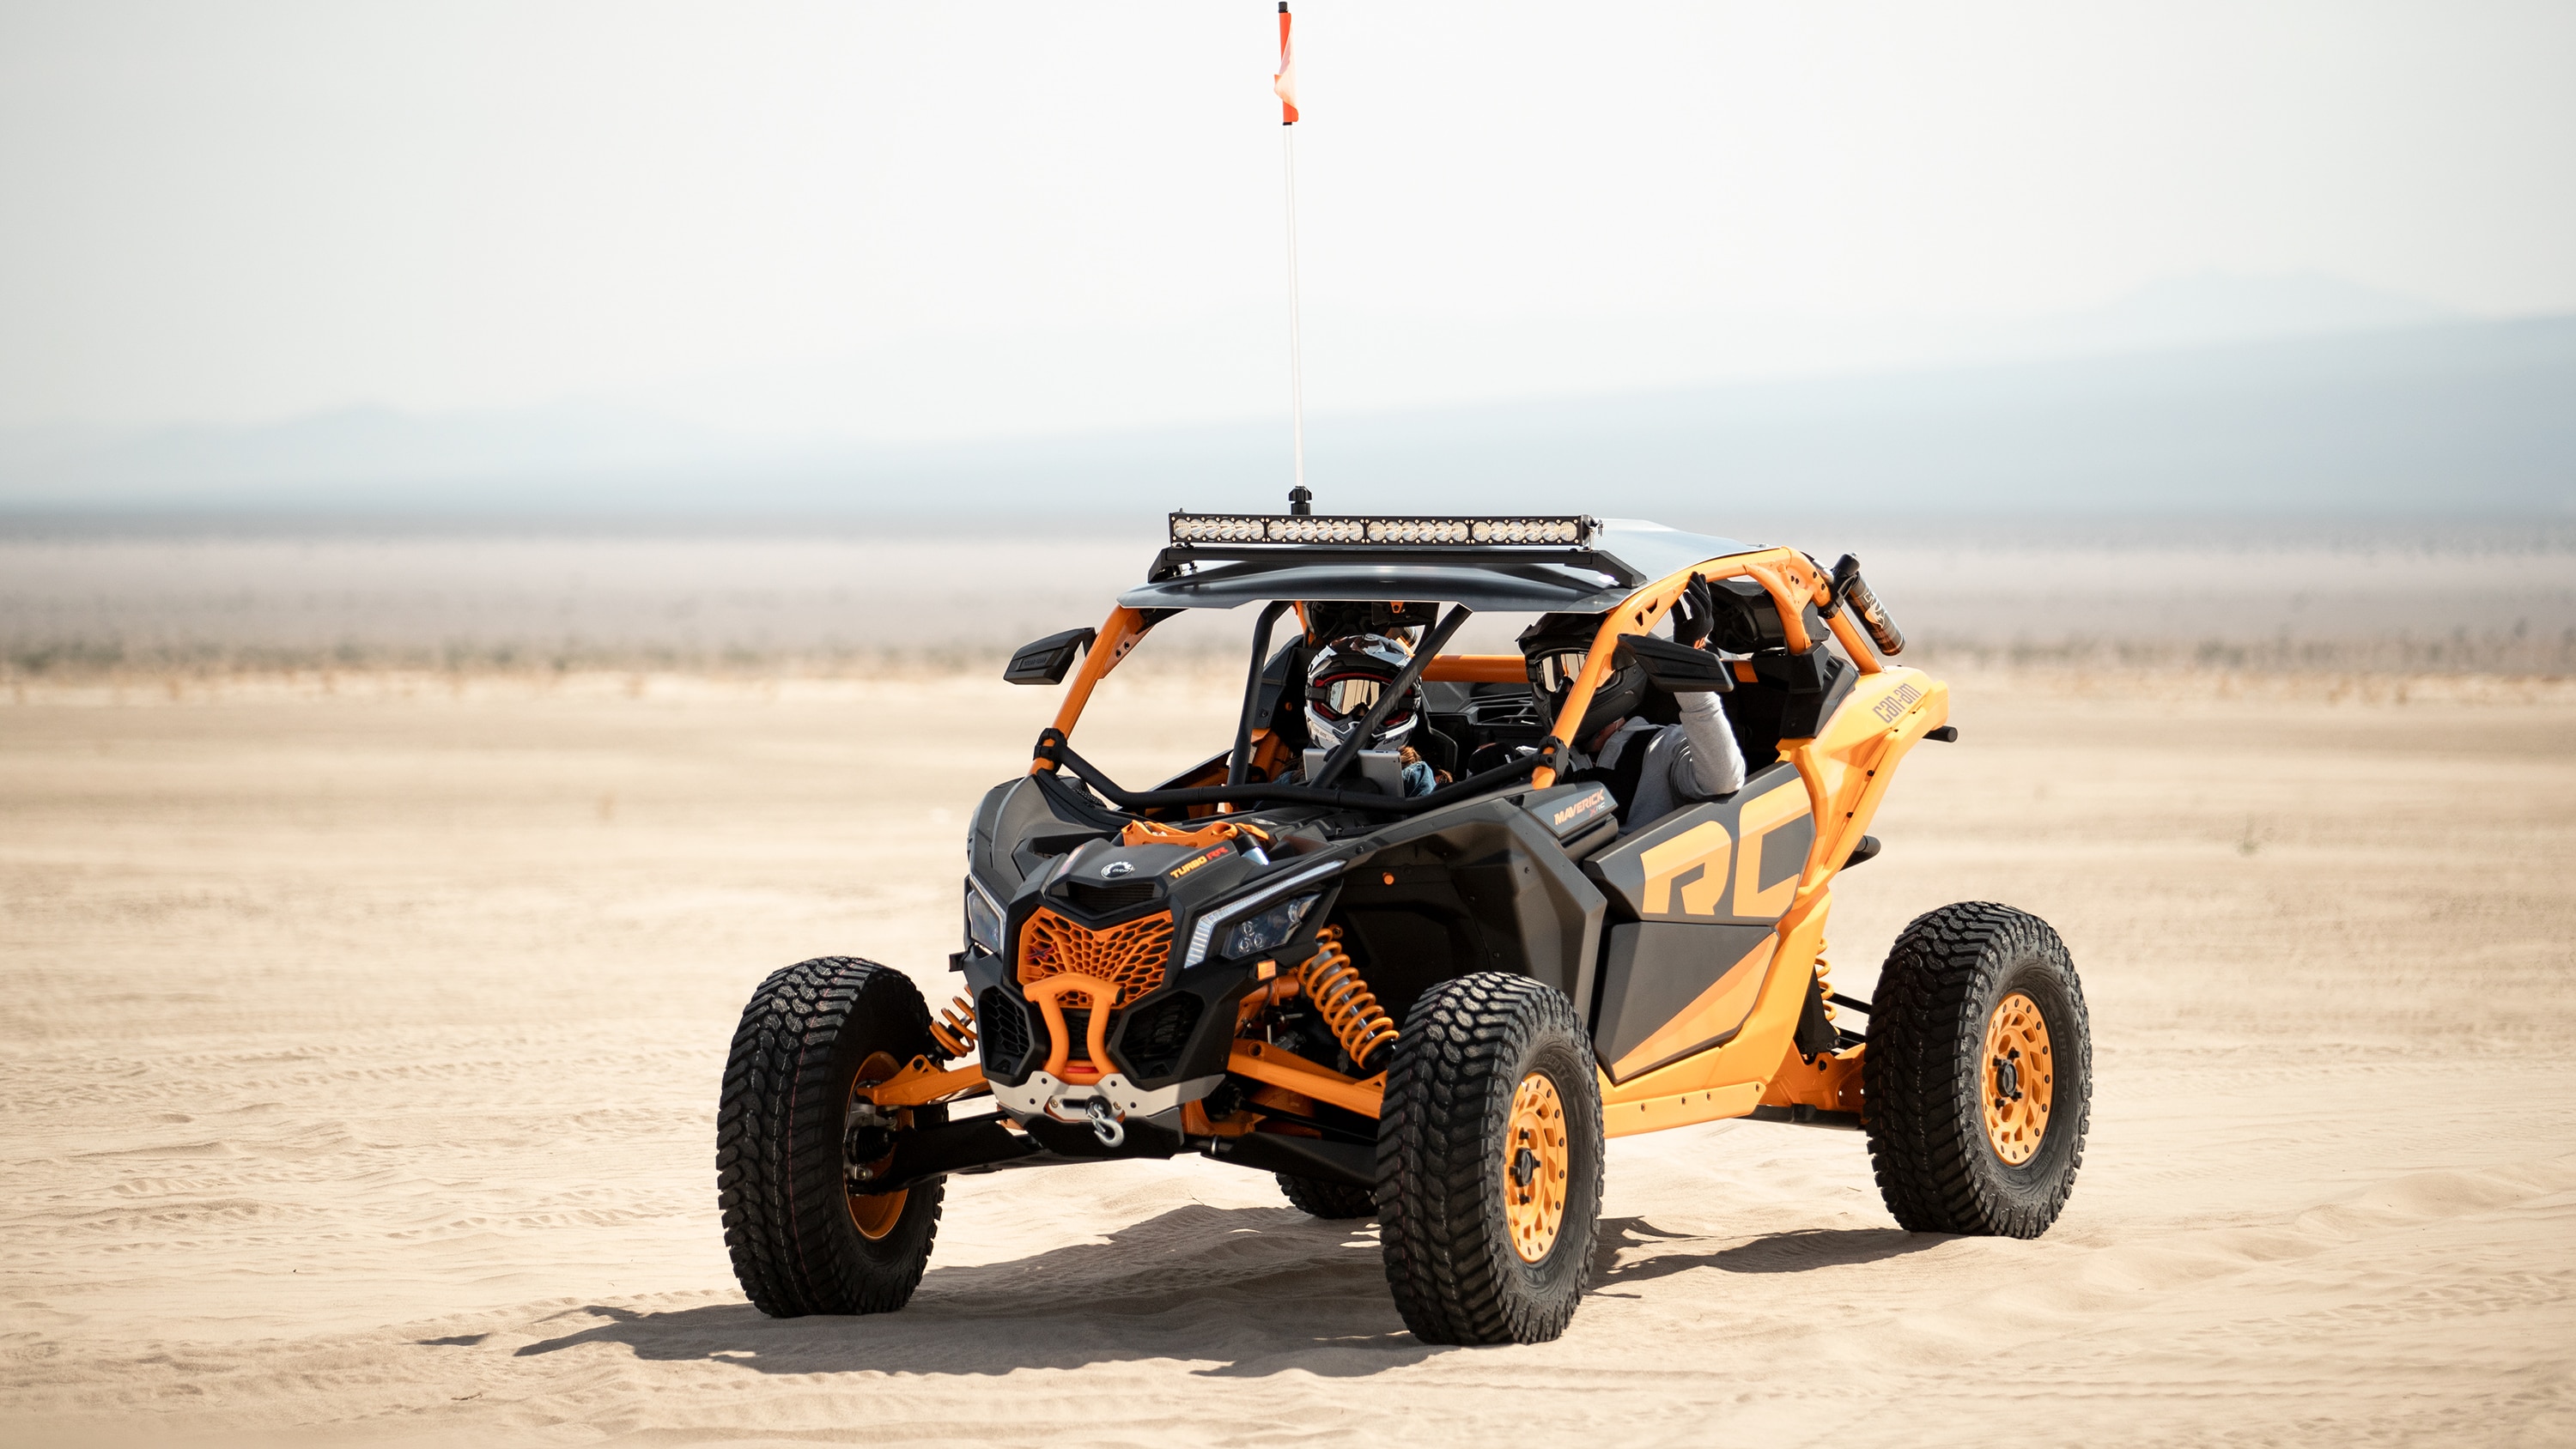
(1345, 678)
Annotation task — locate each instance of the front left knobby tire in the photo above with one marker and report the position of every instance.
(801, 1241)
(1489, 1162)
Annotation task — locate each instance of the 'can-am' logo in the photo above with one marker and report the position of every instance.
(1117, 868)
(1895, 704)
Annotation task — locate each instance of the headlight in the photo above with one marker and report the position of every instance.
(1245, 911)
(983, 922)
(1271, 929)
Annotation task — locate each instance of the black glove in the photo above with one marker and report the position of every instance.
(1694, 614)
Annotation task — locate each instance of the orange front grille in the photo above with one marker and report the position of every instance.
(1131, 956)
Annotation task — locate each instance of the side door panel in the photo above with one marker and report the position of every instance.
(1668, 991)
(1693, 902)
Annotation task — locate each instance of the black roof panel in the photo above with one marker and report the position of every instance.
(1625, 554)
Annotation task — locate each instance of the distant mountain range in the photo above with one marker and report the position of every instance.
(2457, 417)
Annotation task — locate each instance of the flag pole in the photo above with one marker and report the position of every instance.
(1285, 85)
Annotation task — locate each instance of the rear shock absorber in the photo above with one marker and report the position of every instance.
(1333, 984)
(1848, 589)
(955, 1028)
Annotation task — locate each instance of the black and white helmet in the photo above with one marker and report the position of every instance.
(1555, 650)
(1348, 676)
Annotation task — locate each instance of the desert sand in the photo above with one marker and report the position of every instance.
(362, 1037)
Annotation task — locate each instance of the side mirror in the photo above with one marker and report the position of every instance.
(1045, 661)
(1676, 668)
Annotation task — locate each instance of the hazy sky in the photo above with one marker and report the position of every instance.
(848, 217)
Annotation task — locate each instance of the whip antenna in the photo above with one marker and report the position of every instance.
(1284, 85)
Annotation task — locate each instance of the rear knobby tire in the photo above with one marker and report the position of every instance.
(793, 1228)
(1472, 1051)
(1318, 1198)
(1927, 1077)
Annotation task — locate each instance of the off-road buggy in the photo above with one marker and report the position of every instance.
(1431, 1008)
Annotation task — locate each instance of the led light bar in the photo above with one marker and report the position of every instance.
(1363, 530)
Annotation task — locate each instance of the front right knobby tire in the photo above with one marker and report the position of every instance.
(801, 1241)
(1489, 1162)
(1978, 1079)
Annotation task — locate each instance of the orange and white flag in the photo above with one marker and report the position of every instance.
(1284, 84)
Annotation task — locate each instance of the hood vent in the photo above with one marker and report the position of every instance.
(1100, 900)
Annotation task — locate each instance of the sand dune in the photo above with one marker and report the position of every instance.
(361, 1051)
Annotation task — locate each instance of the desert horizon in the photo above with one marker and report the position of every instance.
(2304, 593)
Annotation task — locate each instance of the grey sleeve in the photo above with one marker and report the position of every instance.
(1712, 766)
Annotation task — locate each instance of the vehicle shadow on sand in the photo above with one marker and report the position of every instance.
(1653, 1253)
(1256, 1290)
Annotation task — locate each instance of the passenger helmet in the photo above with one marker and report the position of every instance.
(1554, 649)
(1348, 676)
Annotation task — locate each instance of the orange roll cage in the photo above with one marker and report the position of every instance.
(1845, 772)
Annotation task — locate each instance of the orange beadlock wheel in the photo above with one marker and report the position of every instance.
(875, 1215)
(2020, 1079)
(1534, 1168)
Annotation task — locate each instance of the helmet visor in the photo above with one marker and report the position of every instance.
(1555, 672)
(1349, 695)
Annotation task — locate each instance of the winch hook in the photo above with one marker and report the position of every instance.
(1104, 1122)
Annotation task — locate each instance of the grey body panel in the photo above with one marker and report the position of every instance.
(1011, 820)
(1484, 888)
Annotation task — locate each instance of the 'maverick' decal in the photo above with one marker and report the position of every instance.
(1731, 860)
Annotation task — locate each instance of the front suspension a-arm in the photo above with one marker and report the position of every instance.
(923, 1083)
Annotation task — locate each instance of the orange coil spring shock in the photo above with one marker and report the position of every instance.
(1334, 985)
(1825, 979)
(955, 1028)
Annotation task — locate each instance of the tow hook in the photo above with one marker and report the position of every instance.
(1104, 1122)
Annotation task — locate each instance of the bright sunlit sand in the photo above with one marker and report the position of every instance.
(362, 1041)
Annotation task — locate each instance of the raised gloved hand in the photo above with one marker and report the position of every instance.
(1694, 614)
